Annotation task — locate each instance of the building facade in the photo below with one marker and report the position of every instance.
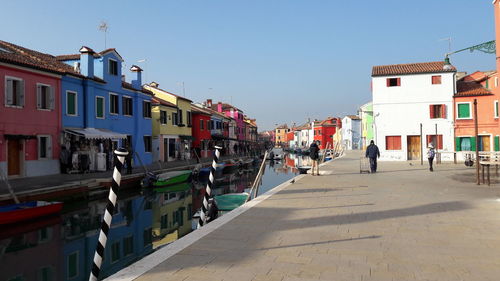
(366, 114)
(324, 131)
(351, 132)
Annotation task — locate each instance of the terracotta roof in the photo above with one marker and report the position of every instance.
(353, 117)
(410, 68)
(179, 97)
(466, 89)
(284, 126)
(73, 57)
(225, 106)
(163, 102)
(196, 109)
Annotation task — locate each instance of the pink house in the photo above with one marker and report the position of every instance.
(237, 115)
(30, 118)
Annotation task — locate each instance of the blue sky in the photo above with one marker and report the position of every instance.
(281, 61)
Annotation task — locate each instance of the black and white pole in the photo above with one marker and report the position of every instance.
(208, 190)
(120, 155)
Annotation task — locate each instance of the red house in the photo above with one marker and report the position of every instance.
(201, 131)
(30, 111)
(324, 131)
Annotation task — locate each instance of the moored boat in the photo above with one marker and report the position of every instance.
(173, 177)
(174, 188)
(230, 201)
(28, 210)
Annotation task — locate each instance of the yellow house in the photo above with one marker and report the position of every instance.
(280, 133)
(164, 137)
(176, 142)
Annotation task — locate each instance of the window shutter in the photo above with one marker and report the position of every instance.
(431, 111)
(38, 96)
(497, 143)
(388, 83)
(443, 111)
(440, 141)
(9, 92)
(51, 98)
(457, 144)
(473, 143)
(399, 81)
(21, 95)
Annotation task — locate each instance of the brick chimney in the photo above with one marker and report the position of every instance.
(219, 107)
(137, 78)
(209, 103)
(87, 61)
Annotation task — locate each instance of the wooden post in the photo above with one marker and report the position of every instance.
(421, 149)
(477, 142)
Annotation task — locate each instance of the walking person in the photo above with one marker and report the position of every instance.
(373, 153)
(314, 155)
(430, 156)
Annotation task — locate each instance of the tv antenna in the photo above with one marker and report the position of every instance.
(104, 28)
(449, 43)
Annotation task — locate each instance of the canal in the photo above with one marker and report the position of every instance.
(62, 247)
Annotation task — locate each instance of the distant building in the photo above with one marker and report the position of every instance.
(325, 129)
(365, 112)
(351, 132)
(281, 135)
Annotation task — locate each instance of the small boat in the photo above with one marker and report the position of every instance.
(166, 179)
(174, 188)
(231, 166)
(230, 201)
(303, 169)
(247, 162)
(28, 210)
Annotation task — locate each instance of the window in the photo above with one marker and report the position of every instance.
(99, 107)
(436, 79)
(44, 234)
(180, 116)
(495, 103)
(202, 125)
(393, 82)
(393, 143)
(128, 246)
(164, 221)
(44, 147)
(113, 103)
(432, 139)
(146, 109)
(463, 110)
(437, 111)
(189, 120)
(147, 143)
(115, 251)
(44, 97)
(45, 274)
(113, 67)
(147, 236)
(71, 103)
(127, 106)
(72, 265)
(14, 92)
(175, 120)
(163, 117)
(190, 210)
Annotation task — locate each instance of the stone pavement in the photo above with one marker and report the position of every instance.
(402, 223)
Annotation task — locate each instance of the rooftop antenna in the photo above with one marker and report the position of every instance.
(449, 42)
(104, 27)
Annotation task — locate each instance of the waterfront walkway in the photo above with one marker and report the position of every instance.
(402, 223)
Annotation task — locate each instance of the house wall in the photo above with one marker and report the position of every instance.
(366, 114)
(398, 111)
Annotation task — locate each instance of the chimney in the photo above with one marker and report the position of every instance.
(154, 84)
(137, 79)
(87, 61)
(219, 107)
(209, 103)
(123, 77)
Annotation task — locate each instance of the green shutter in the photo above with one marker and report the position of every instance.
(464, 110)
(473, 143)
(497, 143)
(457, 144)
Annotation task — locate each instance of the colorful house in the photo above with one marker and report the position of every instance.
(281, 135)
(30, 113)
(413, 107)
(201, 129)
(164, 137)
(351, 132)
(237, 115)
(365, 112)
(181, 121)
(101, 111)
(325, 129)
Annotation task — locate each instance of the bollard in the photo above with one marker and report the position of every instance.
(108, 214)
(208, 190)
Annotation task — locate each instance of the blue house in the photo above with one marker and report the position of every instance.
(101, 111)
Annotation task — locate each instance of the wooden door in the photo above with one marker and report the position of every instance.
(413, 147)
(165, 150)
(13, 157)
(484, 142)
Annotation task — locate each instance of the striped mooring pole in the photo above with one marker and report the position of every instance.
(208, 190)
(120, 155)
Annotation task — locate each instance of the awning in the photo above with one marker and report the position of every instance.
(93, 133)
(184, 137)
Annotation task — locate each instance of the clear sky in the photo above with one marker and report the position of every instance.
(281, 61)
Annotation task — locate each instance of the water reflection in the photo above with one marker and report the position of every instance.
(62, 247)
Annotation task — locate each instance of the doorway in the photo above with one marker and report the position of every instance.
(14, 149)
(484, 143)
(413, 147)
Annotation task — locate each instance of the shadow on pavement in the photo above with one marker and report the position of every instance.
(322, 242)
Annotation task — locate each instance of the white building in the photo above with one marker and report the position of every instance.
(406, 98)
(351, 132)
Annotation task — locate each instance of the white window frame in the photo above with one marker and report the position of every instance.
(470, 111)
(103, 107)
(495, 108)
(48, 148)
(22, 96)
(109, 67)
(123, 105)
(77, 263)
(76, 103)
(117, 106)
(50, 102)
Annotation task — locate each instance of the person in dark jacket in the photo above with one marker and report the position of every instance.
(314, 155)
(373, 153)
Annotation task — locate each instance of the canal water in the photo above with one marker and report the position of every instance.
(62, 247)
